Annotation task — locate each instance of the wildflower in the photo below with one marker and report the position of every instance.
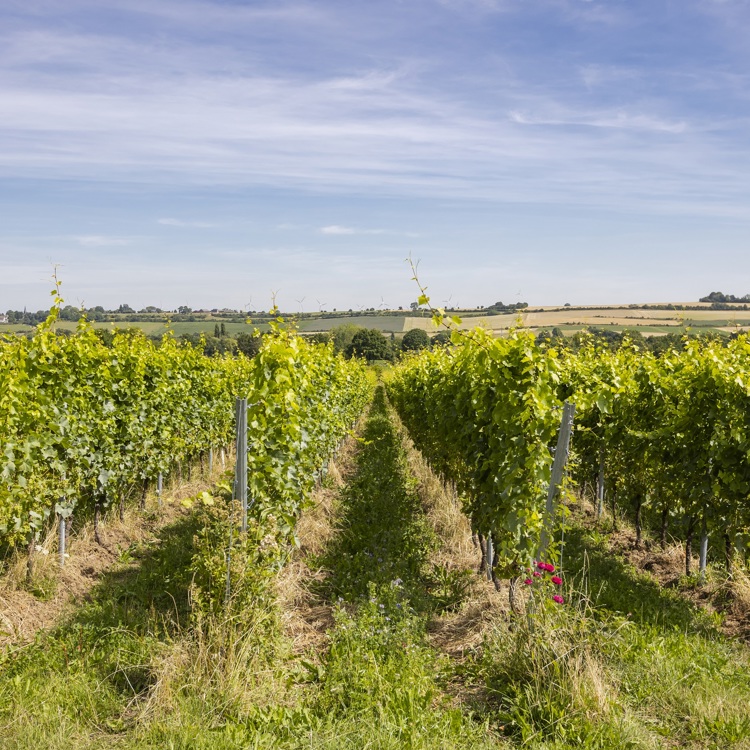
(537, 574)
(557, 580)
(528, 581)
(557, 598)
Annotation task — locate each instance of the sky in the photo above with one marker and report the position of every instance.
(218, 153)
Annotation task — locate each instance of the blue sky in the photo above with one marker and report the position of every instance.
(211, 153)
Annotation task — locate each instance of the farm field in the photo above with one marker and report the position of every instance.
(648, 323)
(617, 318)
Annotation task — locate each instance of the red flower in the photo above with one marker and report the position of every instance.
(528, 581)
(557, 598)
(536, 574)
(557, 580)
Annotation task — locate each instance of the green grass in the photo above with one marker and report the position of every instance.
(624, 663)
(73, 686)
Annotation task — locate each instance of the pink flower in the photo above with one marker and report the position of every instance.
(557, 580)
(536, 574)
(528, 581)
(550, 568)
(557, 598)
(541, 566)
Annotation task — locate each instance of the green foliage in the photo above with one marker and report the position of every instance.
(672, 430)
(342, 336)
(484, 413)
(249, 343)
(83, 421)
(415, 340)
(370, 344)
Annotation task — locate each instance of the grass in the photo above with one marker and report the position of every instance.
(624, 663)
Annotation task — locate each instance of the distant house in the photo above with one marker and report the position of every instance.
(3, 318)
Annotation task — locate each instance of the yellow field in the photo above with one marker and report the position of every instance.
(603, 316)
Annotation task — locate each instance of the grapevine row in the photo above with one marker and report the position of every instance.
(668, 436)
(83, 423)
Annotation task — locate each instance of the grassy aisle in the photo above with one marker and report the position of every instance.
(380, 682)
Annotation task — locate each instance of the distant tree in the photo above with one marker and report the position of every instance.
(105, 336)
(555, 337)
(217, 330)
(125, 309)
(184, 310)
(248, 344)
(415, 339)
(370, 344)
(70, 313)
(214, 346)
(222, 330)
(343, 335)
(441, 338)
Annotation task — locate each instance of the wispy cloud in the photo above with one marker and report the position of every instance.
(310, 112)
(98, 240)
(186, 224)
(78, 103)
(335, 229)
(619, 120)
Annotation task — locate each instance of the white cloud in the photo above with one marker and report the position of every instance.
(98, 240)
(618, 120)
(336, 229)
(187, 224)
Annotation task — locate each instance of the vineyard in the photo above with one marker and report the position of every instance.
(322, 591)
(666, 439)
(86, 425)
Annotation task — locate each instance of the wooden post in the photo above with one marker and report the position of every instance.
(61, 540)
(558, 469)
(600, 485)
(240, 473)
(703, 552)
